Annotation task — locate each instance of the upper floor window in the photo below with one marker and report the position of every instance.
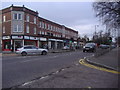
(45, 33)
(45, 26)
(51, 27)
(40, 24)
(40, 32)
(48, 27)
(4, 18)
(27, 29)
(34, 20)
(34, 30)
(27, 18)
(4, 29)
(17, 28)
(17, 16)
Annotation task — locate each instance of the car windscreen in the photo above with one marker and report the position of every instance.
(89, 44)
(29, 47)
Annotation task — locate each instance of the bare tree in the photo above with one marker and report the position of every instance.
(108, 12)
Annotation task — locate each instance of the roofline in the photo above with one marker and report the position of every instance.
(39, 16)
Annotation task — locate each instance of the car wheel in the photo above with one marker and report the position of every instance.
(24, 53)
(44, 52)
(83, 50)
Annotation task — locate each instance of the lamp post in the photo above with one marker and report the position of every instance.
(96, 31)
(96, 28)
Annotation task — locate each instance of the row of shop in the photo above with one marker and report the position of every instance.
(13, 42)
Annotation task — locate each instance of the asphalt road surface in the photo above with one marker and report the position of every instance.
(20, 69)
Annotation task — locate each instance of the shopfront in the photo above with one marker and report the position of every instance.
(6, 43)
(60, 44)
(55, 44)
(29, 40)
(43, 43)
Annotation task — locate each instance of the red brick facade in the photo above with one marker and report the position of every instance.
(22, 26)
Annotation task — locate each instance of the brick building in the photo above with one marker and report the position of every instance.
(22, 26)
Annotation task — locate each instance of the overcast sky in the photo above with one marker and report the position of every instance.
(76, 15)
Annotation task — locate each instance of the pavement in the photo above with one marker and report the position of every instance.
(9, 53)
(109, 60)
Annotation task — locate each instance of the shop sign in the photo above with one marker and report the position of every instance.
(33, 38)
(17, 37)
(59, 40)
(43, 39)
(26, 37)
(52, 40)
(75, 42)
(6, 37)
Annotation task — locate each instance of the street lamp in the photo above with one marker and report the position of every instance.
(95, 28)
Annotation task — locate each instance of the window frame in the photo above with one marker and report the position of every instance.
(27, 18)
(35, 20)
(27, 29)
(4, 18)
(35, 30)
(3, 29)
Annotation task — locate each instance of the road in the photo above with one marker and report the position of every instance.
(20, 69)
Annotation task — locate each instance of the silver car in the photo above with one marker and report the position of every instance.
(29, 49)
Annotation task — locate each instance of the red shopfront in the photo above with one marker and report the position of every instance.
(6, 43)
(29, 40)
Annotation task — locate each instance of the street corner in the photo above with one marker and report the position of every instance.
(97, 66)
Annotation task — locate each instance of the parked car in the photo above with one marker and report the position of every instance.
(89, 47)
(30, 49)
(113, 46)
(102, 46)
(66, 47)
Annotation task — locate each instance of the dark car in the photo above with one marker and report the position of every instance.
(89, 47)
(102, 46)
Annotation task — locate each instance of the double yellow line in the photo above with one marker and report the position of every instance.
(82, 61)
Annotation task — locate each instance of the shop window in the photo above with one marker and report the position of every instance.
(7, 45)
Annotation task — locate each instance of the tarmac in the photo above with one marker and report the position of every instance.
(79, 76)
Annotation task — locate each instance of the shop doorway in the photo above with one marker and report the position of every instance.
(17, 44)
